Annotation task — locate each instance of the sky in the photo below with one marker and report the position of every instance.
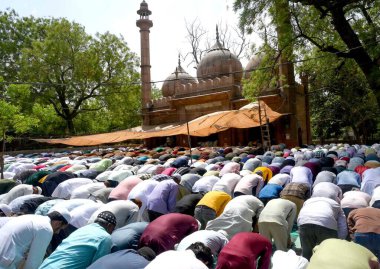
(167, 36)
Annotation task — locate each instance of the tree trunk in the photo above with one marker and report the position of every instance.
(70, 126)
(2, 156)
(356, 134)
(370, 69)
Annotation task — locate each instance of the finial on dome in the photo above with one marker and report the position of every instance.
(217, 34)
(179, 60)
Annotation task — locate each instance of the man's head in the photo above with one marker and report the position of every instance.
(203, 253)
(59, 219)
(137, 202)
(176, 178)
(37, 190)
(147, 253)
(107, 220)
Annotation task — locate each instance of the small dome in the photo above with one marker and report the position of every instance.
(252, 65)
(168, 88)
(144, 10)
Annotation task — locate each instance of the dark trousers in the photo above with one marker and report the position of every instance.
(204, 214)
(312, 235)
(370, 241)
(153, 215)
(346, 188)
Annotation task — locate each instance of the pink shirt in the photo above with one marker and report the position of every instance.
(248, 182)
(121, 191)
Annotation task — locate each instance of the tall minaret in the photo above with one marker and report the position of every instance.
(145, 24)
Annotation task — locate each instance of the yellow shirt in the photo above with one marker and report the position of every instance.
(266, 172)
(216, 200)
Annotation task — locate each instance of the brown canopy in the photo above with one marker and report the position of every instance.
(245, 117)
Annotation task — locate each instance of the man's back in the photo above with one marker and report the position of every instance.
(80, 249)
(22, 235)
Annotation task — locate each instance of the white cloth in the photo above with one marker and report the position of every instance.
(141, 192)
(212, 239)
(248, 182)
(280, 179)
(301, 174)
(103, 176)
(247, 201)
(370, 180)
(17, 203)
(176, 259)
(227, 183)
(375, 196)
(69, 205)
(76, 167)
(126, 212)
(4, 220)
(85, 191)
(19, 167)
(6, 209)
(324, 212)
(65, 188)
(205, 184)
(355, 199)
(15, 192)
(288, 260)
(328, 190)
(81, 214)
(120, 175)
(25, 235)
(237, 216)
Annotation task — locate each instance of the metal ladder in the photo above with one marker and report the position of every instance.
(264, 127)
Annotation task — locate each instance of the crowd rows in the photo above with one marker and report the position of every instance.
(234, 207)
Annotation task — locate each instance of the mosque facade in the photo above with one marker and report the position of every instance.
(218, 87)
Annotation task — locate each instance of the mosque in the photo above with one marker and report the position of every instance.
(218, 87)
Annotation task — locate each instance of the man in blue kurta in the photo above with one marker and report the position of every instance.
(84, 246)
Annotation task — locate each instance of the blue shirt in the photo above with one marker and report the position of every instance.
(128, 237)
(80, 249)
(127, 258)
(270, 191)
(348, 178)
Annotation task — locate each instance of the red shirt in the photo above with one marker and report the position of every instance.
(167, 230)
(243, 250)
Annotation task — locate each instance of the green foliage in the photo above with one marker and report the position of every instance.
(12, 120)
(17, 33)
(348, 29)
(340, 99)
(264, 77)
(78, 71)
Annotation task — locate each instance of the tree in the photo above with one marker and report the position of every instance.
(197, 37)
(17, 33)
(77, 73)
(349, 29)
(12, 120)
(340, 99)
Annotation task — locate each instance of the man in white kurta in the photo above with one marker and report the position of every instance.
(140, 193)
(176, 259)
(24, 239)
(215, 240)
(126, 212)
(65, 188)
(18, 191)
